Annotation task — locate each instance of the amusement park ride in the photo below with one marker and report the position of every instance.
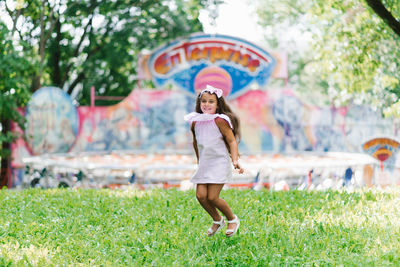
(143, 140)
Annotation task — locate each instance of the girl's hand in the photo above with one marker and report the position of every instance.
(237, 166)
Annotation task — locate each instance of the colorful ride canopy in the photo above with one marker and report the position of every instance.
(229, 63)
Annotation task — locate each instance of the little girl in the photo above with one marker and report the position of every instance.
(215, 130)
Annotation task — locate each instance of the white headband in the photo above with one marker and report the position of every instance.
(212, 90)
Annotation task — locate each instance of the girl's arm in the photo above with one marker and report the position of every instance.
(227, 132)
(196, 150)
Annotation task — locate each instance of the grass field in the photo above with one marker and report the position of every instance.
(167, 227)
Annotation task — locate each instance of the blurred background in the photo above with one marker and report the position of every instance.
(93, 93)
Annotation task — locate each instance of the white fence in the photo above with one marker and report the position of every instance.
(175, 168)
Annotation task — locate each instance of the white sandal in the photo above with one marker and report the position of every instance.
(231, 232)
(221, 224)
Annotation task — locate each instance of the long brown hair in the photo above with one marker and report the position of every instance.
(223, 108)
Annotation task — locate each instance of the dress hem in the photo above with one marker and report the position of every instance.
(208, 182)
(198, 181)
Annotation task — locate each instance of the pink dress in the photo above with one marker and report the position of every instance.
(214, 160)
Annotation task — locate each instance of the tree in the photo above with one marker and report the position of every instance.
(355, 53)
(14, 74)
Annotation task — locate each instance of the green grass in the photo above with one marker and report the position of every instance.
(64, 227)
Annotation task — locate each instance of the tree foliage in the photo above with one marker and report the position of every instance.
(79, 44)
(354, 53)
(15, 71)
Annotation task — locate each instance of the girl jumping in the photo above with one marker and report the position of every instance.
(215, 130)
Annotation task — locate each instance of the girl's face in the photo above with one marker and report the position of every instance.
(208, 103)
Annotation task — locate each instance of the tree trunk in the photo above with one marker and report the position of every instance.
(78, 79)
(36, 83)
(385, 15)
(56, 74)
(5, 173)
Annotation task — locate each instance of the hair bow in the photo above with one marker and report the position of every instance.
(212, 90)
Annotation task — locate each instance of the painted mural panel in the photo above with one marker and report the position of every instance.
(52, 121)
(328, 127)
(260, 130)
(145, 120)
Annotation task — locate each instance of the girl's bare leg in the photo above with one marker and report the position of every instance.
(202, 197)
(214, 199)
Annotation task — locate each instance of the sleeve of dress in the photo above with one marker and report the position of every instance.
(189, 117)
(225, 117)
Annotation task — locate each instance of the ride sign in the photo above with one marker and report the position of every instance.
(226, 62)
